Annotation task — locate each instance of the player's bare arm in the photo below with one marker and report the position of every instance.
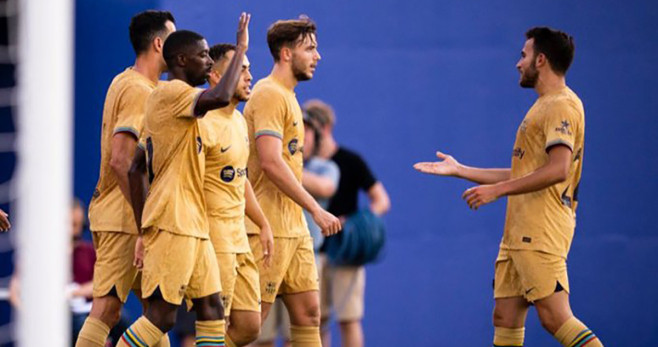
(318, 186)
(123, 149)
(138, 183)
(555, 171)
(255, 213)
(4, 221)
(220, 95)
(449, 166)
(269, 155)
(380, 203)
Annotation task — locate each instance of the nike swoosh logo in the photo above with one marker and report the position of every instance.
(529, 290)
(224, 149)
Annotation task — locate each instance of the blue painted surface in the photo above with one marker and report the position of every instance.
(408, 78)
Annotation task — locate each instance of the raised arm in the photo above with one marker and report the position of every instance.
(555, 171)
(220, 95)
(269, 155)
(449, 166)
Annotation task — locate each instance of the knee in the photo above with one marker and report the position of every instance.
(549, 321)
(163, 322)
(312, 315)
(107, 310)
(247, 333)
(209, 308)
(499, 318)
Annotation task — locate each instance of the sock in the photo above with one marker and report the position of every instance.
(573, 333)
(210, 333)
(305, 336)
(229, 342)
(93, 333)
(506, 337)
(164, 342)
(141, 334)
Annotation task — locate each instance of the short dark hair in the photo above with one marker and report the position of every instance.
(557, 46)
(287, 33)
(177, 43)
(219, 50)
(145, 26)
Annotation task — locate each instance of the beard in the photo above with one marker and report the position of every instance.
(298, 71)
(529, 77)
(242, 97)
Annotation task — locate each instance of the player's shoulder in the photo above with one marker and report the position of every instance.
(267, 87)
(566, 100)
(132, 81)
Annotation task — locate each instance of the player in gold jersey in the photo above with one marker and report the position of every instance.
(542, 186)
(276, 136)
(178, 260)
(110, 215)
(229, 196)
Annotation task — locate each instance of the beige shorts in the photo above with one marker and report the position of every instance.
(276, 324)
(240, 283)
(180, 266)
(114, 268)
(342, 291)
(531, 274)
(292, 270)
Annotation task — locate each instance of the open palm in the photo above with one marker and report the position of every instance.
(447, 166)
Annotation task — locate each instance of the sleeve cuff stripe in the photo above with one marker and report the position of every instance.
(268, 133)
(559, 142)
(126, 130)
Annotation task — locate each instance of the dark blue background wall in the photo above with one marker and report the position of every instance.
(409, 77)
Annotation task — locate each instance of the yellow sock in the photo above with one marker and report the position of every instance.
(508, 337)
(210, 333)
(305, 336)
(93, 333)
(164, 342)
(229, 342)
(573, 333)
(141, 333)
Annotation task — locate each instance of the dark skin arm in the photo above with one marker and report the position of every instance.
(138, 184)
(220, 95)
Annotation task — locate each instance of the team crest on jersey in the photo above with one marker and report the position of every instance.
(227, 174)
(524, 125)
(564, 128)
(292, 146)
(518, 152)
(270, 288)
(199, 144)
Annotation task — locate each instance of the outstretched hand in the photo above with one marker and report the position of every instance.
(447, 166)
(243, 30)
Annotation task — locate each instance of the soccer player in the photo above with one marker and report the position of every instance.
(542, 186)
(178, 260)
(229, 196)
(110, 215)
(343, 287)
(276, 135)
